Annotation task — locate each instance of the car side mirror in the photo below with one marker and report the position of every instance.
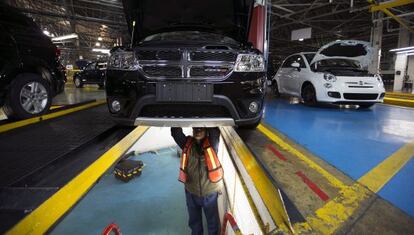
(295, 65)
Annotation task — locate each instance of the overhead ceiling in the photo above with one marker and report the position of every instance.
(329, 20)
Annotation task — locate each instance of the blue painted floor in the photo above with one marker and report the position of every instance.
(153, 203)
(354, 141)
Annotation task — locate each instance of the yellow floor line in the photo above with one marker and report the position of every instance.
(55, 107)
(376, 178)
(399, 94)
(271, 135)
(339, 210)
(14, 125)
(330, 217)
(50, 211)
(400, 102)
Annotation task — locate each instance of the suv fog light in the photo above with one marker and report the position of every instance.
(327, 85)
(115, 106)
(254, 107)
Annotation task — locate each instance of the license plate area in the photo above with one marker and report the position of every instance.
(184, 92)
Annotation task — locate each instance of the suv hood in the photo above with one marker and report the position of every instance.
(360, 51)
(226, 17)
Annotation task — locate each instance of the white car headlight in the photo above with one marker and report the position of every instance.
(329, 77)
(123, 60)
(378, 77)
(249, 63)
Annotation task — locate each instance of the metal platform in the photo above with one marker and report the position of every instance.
(38, 159)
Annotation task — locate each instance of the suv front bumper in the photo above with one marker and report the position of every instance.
(229, 105)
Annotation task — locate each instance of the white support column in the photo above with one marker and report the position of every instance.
(401, 60)
(376, 43)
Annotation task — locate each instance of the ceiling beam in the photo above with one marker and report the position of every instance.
(74, 17)
(389, 4)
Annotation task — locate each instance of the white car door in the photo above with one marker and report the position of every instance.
(299, 75)
(283, 76)
(294, 74)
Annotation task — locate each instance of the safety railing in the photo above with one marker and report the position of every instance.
(229, 218)
(112, 227)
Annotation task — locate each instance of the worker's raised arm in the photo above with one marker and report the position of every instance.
(214, 137)
(178, 135)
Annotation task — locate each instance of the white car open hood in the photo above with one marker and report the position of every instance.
(360, 51)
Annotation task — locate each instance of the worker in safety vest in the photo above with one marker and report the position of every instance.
(201, 173)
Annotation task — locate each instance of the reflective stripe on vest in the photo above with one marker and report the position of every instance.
(215, 171)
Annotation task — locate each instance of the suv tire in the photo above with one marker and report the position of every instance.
(29, 96)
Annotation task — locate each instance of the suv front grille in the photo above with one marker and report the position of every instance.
(213, 56)
(162, 71)
(186, 63)
(174, 55)
(360, 96)
(209, 71)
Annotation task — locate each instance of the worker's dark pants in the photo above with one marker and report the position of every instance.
(208, 204)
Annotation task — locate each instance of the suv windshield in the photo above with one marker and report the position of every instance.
(191, 36)
(338, 63)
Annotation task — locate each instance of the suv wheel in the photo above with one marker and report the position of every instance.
(309, 95)
(29, 96)
(78, 82)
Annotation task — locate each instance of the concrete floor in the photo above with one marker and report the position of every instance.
(353, 141)
(73, 95)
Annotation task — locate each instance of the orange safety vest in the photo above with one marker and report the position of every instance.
(215, 171)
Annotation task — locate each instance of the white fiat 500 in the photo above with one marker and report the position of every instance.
(337, 73)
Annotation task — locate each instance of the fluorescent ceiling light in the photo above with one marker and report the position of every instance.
(105, 51)
(410, 54)
(402, 49)
(99, 38)
(300, 39)
(65, 37)
(407, 51)
(98, 44)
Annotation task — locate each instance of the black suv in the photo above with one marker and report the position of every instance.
(190, 65)
(93, 73)
(30, 71)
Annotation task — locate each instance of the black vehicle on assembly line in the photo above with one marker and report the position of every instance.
(93, 73)
(190, 65)
(30, 71)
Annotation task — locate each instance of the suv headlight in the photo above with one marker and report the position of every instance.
(123, 60)
(329, 77)
(249, 63)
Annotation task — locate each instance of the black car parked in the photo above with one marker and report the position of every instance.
(191, 65)
(30, 71)
(93, 73)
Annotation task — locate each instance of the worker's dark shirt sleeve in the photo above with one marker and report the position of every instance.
(214, 137)
(178, 135)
